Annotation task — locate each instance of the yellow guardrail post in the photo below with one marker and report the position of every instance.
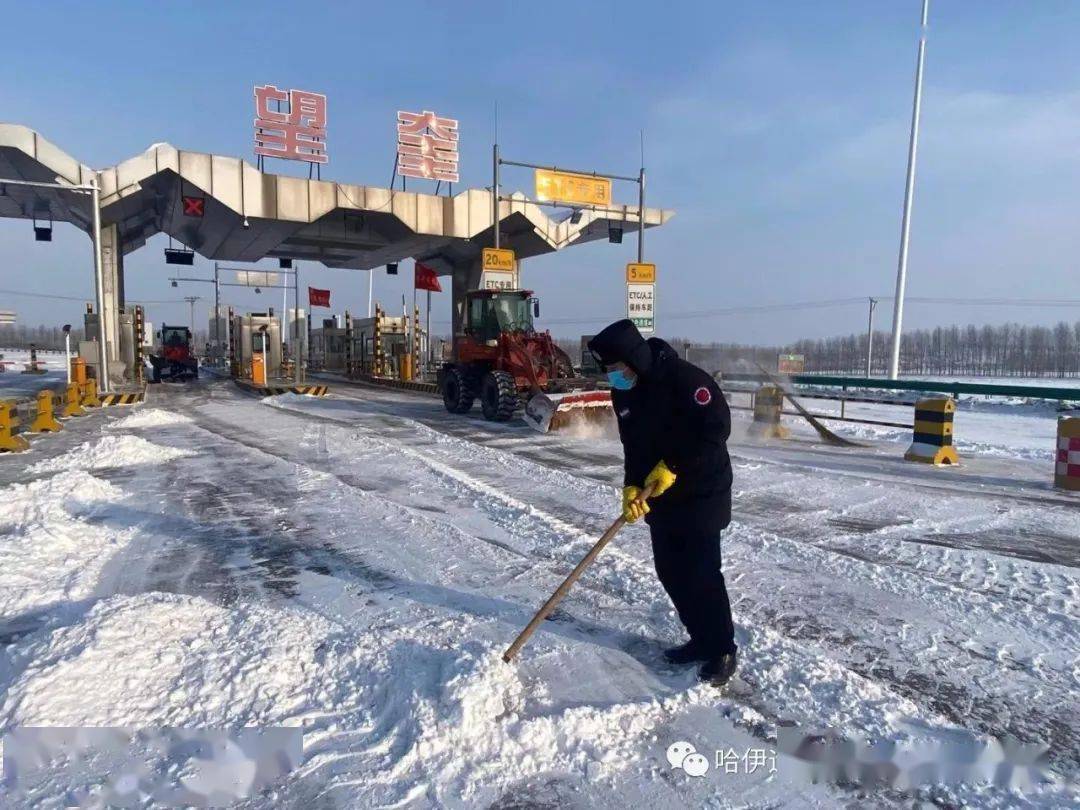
(9, 428)
(1067, 461)
(931, 442)
(45, 421)
(90, 398)
(72, 405)
(768, 405)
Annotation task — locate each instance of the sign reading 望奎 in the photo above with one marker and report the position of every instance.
(640, 301)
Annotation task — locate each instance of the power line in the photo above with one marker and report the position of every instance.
(81, 298)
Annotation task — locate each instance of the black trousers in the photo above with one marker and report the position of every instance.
(688, 564)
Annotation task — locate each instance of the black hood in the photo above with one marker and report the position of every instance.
(621, 342)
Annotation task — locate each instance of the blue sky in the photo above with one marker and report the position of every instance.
(776, 131)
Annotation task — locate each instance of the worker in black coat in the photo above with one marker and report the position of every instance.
(674, 423)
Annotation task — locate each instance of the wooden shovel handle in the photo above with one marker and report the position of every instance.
(561, 591)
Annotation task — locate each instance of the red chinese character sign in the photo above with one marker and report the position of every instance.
(290, 124)
(427, 146)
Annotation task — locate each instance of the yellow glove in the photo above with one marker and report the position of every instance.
(632, 508)
(662, 477)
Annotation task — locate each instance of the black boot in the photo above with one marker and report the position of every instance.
(685, 653)
(718, 671)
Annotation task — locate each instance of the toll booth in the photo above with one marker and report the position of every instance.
(327, 346)
(130, 366)
(256, 347)
(377, 346)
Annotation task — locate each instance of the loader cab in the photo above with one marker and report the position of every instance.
(490, 313)
(175, 337)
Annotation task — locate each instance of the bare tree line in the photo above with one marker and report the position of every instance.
(21, 336)
(1005, 350)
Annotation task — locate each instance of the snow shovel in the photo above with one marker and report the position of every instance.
(823, 431)
(562, 590)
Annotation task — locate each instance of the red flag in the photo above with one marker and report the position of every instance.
(318, 298)
(426, 279)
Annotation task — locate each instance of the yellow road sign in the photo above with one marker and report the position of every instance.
(640, 273)
(572, 188)
(499, 260)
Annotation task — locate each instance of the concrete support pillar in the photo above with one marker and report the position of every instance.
(465, 277)
(112, 267)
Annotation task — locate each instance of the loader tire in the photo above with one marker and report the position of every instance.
(498, 396)
(458, 394)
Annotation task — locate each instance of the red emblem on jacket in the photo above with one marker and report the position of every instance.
(702, 396)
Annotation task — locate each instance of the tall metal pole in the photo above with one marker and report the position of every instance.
(641, 217)
(870, 337)
(495, 192)
(427, 328)
(641, 204)
(99, 278)
(370, 277)
(191, 299)
(909, 192)
(297, 353)
(218, 353)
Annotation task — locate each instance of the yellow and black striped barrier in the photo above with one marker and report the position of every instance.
(276, 390)
(124, 398)
(931, 442)
(10, 440)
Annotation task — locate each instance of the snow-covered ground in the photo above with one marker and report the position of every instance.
(16, 385)
(355, 566)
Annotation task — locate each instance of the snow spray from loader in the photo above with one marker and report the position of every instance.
(567, 583)
(822, 431)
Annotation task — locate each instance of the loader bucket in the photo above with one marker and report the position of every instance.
(546, 412)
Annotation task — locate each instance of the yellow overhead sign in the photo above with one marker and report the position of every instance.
(640, 273)
(584, 189)
(501, 260)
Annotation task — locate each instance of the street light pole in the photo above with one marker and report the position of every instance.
(870, 337)
(218, 353)
(297, 353)
(191, 299)
(99, 278)
(495, 192)
(909, 192)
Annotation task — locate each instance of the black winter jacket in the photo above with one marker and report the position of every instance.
(677, 413)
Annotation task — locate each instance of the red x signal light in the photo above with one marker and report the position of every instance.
(194, 206)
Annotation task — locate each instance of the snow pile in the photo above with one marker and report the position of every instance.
(172, 660)
(149, 418)
(112, 451)
(286, 399)
(48, 551)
